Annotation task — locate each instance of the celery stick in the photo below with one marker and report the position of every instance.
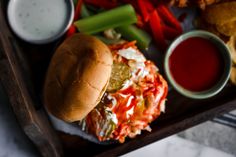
(131, 32)
(108, 41)
(94, 9)
(84, 11)
(113, 18)
(75, 2)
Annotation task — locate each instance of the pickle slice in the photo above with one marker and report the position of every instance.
(120, 73)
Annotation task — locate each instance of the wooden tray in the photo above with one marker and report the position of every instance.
(22, 71)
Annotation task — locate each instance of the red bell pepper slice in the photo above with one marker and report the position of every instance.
(149, 5)
(146, 8)
(78, 10)
(106, 4)
(157, 32)
(140, 22)
(72, 30)
(143, 10)
(168, 17)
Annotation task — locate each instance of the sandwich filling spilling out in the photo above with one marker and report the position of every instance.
(135, 96)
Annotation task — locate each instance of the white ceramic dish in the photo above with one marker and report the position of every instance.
(40, 21)
(225, 55)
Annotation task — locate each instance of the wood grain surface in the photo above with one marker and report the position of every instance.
(14, 77)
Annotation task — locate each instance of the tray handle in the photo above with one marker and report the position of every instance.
(34, 123)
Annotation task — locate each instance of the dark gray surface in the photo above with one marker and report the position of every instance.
(13, 141)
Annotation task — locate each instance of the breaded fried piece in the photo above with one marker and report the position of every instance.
(221, 13)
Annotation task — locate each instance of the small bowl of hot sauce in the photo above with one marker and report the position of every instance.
(197, 64)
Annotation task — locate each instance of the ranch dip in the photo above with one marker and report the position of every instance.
(39, 21)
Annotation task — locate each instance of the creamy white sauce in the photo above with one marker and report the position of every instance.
(104, 128)
(113, 100)
(136, 63)
(138, 67)
(113, 118)
(129, 100)
(110, 115)
(130, 112)
(148, 128)
(163, 106)
(106, 125)
(127, 83)
(123, 95)
(131, 53)
(160, 94)
(38, 19)
(83, 124)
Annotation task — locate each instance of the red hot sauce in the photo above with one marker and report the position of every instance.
(196, 64)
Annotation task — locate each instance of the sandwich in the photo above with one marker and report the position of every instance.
(110, 91)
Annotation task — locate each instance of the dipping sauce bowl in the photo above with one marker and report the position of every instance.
(40, 21)
(197, 64)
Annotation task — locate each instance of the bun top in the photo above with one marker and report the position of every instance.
(77, 77)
